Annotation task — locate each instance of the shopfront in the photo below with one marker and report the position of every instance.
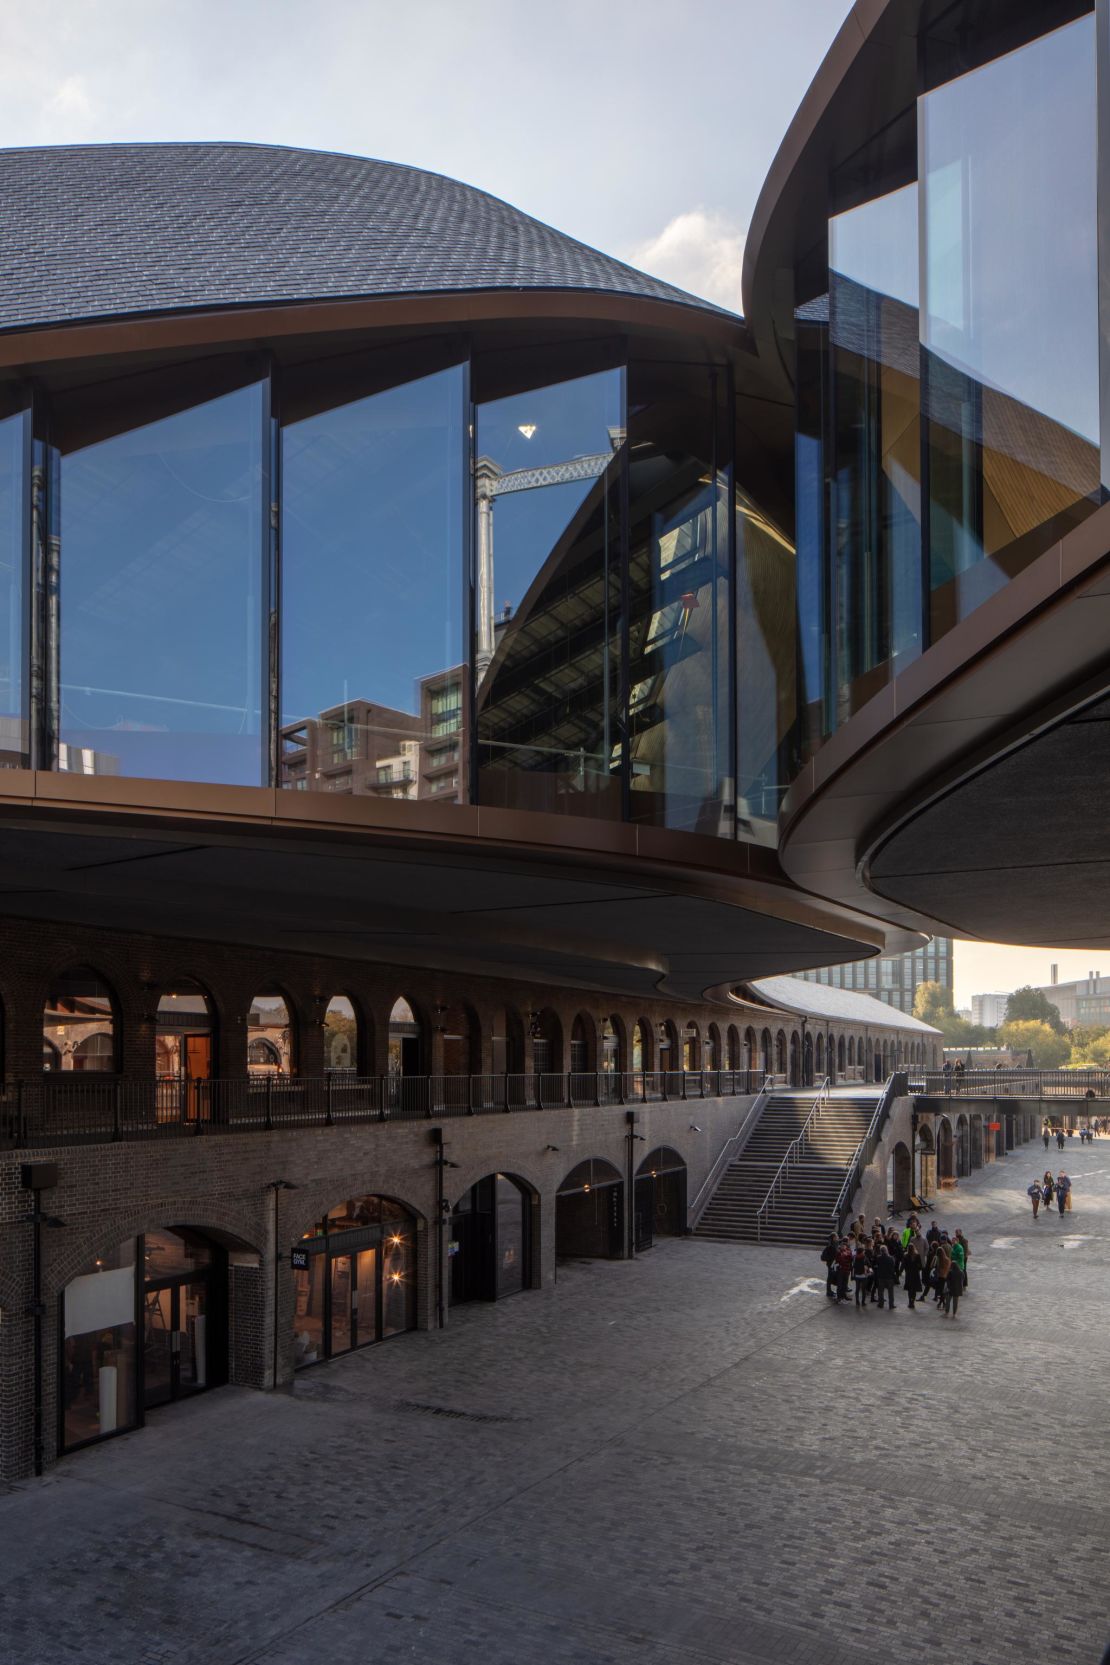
(142, 1325)
(491, 1239)
(659, 1200)
(354, 1279)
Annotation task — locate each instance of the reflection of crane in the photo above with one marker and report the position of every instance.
(491, 482)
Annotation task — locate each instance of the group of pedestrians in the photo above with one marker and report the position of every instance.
(1088, 1133)
(877, 1261)
(1046, 1190)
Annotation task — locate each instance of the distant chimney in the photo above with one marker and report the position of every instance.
(1054, 975)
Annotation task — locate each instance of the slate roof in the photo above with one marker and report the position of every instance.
(96, 231)
(793, 994)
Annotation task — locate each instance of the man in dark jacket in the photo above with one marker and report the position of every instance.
(885, 1275)
(828, 1255)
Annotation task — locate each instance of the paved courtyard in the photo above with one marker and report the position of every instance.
(690, 1460)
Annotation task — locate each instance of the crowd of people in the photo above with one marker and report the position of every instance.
(1088, 1133)
(880, 1260)
(1047, 1190)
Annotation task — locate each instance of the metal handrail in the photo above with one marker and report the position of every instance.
(731, 1148)
(859, 1162)
(1010, 1083)
(793, 1152)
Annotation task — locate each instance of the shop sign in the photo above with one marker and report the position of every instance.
(299, 1260)
(452, 1249)
(994, 1127)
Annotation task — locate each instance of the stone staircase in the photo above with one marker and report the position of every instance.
(803, 1207)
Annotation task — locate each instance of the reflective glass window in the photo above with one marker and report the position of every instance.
(372, 675)
(161, 580)
(875, 463)
(99, 1358)
(269, 1036)
(79, 1024)
(766, 672)
(13, 538)
(1010, 312)
(679, 721)
(340, 1035)
(547, 596)
(398, 1279)
(811, 333)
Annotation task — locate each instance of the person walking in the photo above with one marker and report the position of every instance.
(966, 1247)
(1063, 1191)
(1046, 1134)
(829, 1255)
(953, 1289)
(1033, 1192)
(912, 1275)
(1059, 1138)
(885, 1276)
(861, 1273)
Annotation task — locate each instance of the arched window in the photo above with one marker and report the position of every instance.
(341, 1037)
(851, 1051)
(79, 1025)
(269, 1023)
(765, 1051)
(691, 1047)
(732, 1039)
(612, 1031)
(546, 1034)
(581, 1047)
(820, 1054)
(507, 1042)
(841, 1056)
(405, 1041)
(780, 1053)
(184, 1033)
(711, 1056)
(641, 1046)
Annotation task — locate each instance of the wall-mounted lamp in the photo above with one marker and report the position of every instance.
(550, 1147)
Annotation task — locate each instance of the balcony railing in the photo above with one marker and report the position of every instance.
(1011, 1083)
(89, 1109)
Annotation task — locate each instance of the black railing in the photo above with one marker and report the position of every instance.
(895, 1087)
(1010, 1083)
(88, 1109)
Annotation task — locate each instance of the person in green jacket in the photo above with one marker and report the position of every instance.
(958, 1252)
(909, 1231)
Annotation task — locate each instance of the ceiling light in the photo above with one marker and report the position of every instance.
(527, 429)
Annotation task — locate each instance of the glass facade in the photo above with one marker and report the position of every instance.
(948, 423)
(161, 648)
(99, 1352)
(526, 577)
(354, 1279)
(78, 1025)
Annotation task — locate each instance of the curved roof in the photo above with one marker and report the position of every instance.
(793, 994)
(99, 231)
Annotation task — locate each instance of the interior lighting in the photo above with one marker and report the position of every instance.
(585, 1188)
(396, 1241)
(527, 429)
(395, 1277)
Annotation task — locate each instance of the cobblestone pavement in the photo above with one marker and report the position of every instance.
(694, 1459)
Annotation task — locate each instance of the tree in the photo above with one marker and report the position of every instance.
(933, 1004)
(1090, 1047)
(1029, 1005)
(1049, 1050)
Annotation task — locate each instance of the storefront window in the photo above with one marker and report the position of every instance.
(354, 1278)
(372, 576)
(99, 1348)
(548, 596)
(79, 1025)
(1009, 313)
(183, 1035)
(161, 578)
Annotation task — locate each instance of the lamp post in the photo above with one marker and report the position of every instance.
(276, 1186)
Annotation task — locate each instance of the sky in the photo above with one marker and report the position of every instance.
(644, 129)
(987, 967)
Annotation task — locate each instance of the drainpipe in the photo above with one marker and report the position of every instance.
(38, 1177)
(442, 1210)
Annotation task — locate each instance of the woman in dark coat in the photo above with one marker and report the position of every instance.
(911, 1274)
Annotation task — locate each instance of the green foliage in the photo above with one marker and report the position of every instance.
(1029, 1005)
(933, 1004)
(1090, 1048)
(1050, 1050)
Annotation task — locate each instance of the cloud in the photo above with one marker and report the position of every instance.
(700, 251)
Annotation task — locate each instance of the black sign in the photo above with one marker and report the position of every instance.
(299, 1260)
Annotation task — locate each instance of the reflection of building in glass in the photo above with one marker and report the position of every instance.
(377, 752)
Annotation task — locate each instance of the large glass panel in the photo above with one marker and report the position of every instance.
(269, 1036)
(366, 1296)
(811, 345)
(161, 563)
(1009, 313)
(167, 1253)
(13, 538)
(340, 1036)
(548, 596)
(875, 531)
(98, 1348)
(679, 716)
(372, 678)
(512, 1212)
(766, 672)
(342, 1335)
(308, 1310)
(398, 1279)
